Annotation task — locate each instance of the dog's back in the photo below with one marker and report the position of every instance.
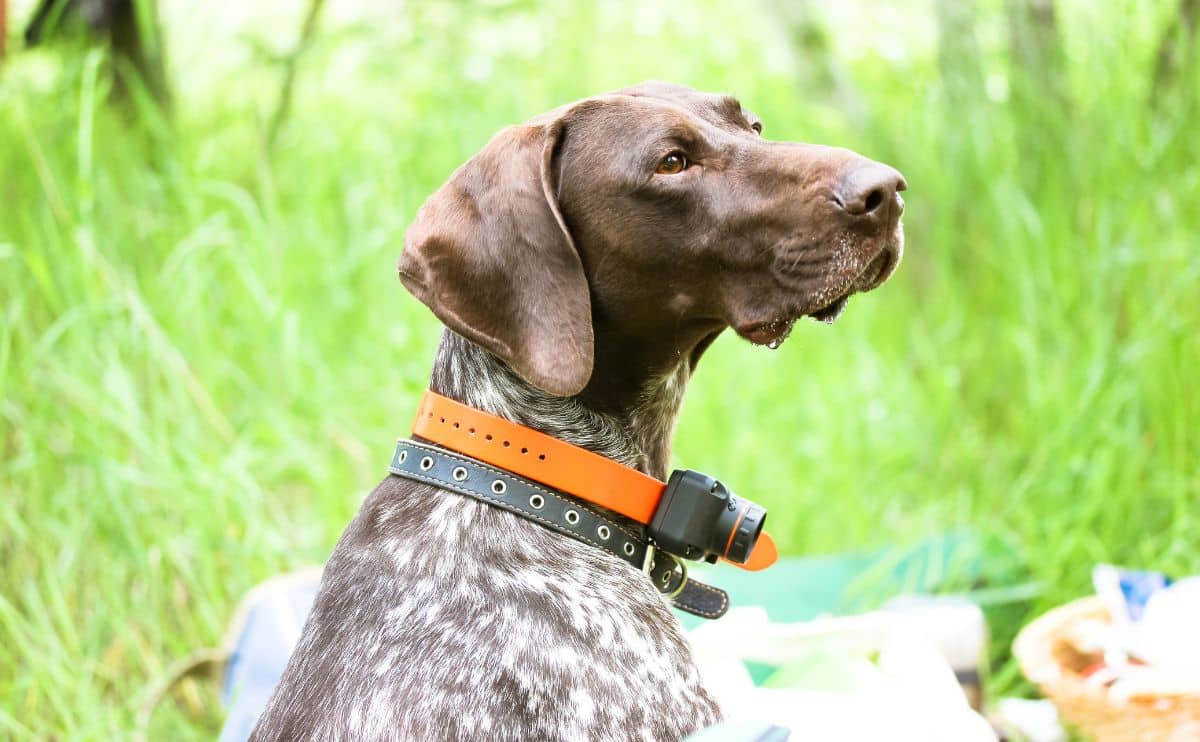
(443, 618)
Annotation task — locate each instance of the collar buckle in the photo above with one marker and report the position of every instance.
(649, 566)
(648, 560)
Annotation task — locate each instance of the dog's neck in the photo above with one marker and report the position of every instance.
(636, 433)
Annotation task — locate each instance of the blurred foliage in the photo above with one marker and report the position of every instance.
(205, 353)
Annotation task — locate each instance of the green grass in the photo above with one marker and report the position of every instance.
(205, 353)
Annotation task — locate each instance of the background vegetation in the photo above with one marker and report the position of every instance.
(205, 353)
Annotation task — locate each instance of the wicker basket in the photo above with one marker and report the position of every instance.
(1049, 659)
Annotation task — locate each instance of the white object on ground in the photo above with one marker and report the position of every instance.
(909, 693)
(1037, 720)
(1168, 635)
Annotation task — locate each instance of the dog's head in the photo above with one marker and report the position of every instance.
(657, 215)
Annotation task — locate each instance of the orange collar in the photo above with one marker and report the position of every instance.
(576, 471)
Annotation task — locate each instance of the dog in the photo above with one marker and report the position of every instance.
(582, 263)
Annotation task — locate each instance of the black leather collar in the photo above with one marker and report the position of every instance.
(423, 462)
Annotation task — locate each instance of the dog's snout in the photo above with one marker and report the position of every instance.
(868, 187)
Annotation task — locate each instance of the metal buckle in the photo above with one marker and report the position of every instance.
(648, 566)
(683, 576)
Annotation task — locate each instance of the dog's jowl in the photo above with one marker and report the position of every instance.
(582, 263)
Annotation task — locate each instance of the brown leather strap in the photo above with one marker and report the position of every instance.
(555, 463)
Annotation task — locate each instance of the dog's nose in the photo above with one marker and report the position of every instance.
(868, 187)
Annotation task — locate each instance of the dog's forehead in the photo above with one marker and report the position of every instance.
(711, 106)
(724, 111)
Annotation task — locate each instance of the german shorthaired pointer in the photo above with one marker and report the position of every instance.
(582, 263)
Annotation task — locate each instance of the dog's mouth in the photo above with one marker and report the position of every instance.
(831, 311)
(772, 333)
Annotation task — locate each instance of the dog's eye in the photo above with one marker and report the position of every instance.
(672, 164)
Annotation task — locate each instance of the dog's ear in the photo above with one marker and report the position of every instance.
(490, 254)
